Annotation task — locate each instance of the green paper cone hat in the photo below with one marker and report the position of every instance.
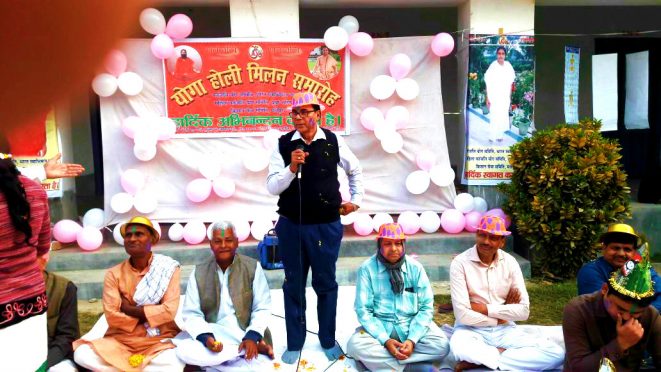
(634, 279)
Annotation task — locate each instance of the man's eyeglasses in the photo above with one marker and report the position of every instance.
(301, 113)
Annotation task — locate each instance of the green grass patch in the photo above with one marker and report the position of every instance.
(547, 301)
(86, 321)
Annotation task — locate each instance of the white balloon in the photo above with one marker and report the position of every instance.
(417, 182)
(256, 160)
(382, 87)
(121, 202)
(130, 125)
(152, 21)
(480, 204)
(371, 117)
(429, 222)
(167, 128)
(407, 89)
(176, 232)
(349, 23)
(210, 169)
(464, 202)
(380, 219)
(130, 83)
(441, 175)
(194, 232)
(336, 38)
(392, 143)
(145, 202)
(93, 218)
(384, 129)
(410, 222)
(399, 116)
(117, 235)
(224, 187)
(145, 135)
(144, 152)
(260, 227)
(270, 140)
(242, 228)
(157, 227)
(105, 85)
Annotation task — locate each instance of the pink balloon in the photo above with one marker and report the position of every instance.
(198, 190)
(472, 220)
(194, 232)
(425, 160)
(400, 66)
(442, 44)
(132, 181)
(162, 46)
(453, 221)
(179, 26)
(363, 224)
(89, 238)
(65, 231)
(361, 44)
(115, 62)
(224, 187)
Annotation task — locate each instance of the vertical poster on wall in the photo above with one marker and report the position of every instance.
(572, 63)
(34, 146)
(604, 90)
(500, 104)
(636, 103)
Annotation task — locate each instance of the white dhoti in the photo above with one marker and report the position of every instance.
(480, 345)
(193, 352)
(64, 366)
(369, 351)
(165, 361)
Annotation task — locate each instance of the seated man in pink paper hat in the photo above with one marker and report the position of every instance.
(394, 304)
(488, 295)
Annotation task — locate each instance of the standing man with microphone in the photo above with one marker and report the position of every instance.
(303, 172)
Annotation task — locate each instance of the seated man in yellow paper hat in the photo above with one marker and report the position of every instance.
(618, 245)
(140, 300)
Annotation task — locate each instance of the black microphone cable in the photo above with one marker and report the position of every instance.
(300, 250)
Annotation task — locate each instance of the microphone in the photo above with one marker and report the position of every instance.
(300, 166)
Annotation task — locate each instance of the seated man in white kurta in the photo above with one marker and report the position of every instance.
(227, 308)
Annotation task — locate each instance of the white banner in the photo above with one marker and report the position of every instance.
(636, 105)
(572, 63)
(177, 160)
(604, 90)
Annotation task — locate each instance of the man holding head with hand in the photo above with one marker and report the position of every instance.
(616, 325)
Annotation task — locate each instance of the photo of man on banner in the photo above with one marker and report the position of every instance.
(500, 104)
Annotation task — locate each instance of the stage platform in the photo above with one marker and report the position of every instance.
(434, 251)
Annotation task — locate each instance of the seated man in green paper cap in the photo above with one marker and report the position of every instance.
(616, 325)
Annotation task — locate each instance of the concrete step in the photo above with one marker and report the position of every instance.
(90, 282)
(72, 258)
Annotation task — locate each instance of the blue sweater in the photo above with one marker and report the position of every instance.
(597, 272)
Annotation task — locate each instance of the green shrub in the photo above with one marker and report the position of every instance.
(567, 185)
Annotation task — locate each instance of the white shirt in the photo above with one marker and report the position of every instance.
(280, 176)
(259, 317)
(473, 281)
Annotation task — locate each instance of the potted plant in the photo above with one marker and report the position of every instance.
(567, 185)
